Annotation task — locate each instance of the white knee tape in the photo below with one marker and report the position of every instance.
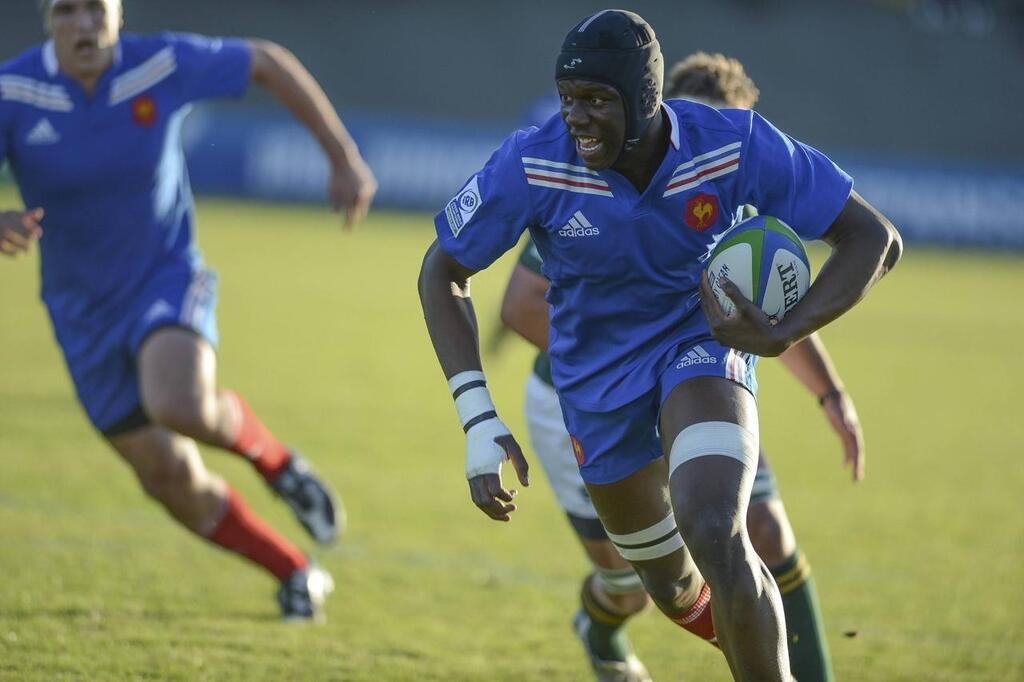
(653, 542)
(714, 438)
(618, 580)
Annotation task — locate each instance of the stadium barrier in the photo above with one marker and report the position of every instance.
(419, 165)
(953, 207)
(240, 151)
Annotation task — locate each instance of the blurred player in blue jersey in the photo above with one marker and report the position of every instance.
(624, 196)
(614, 592)
(91, 124)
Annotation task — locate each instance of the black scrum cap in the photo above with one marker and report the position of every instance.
(618, 48)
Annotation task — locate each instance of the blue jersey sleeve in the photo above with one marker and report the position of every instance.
(211, 67)
(488, 215)
(790, 180)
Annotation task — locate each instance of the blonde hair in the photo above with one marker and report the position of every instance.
(714, 78)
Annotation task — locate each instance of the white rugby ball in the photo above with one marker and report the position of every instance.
(766, 260)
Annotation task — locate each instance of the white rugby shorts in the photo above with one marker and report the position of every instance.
(551, 445)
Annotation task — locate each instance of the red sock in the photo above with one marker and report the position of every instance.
(241, 531)
(255, 442)
(698, 619)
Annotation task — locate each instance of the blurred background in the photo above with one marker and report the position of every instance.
(920, 567)
(919, 99)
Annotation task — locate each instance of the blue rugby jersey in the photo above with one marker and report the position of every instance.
(625, 266)
(109, 169)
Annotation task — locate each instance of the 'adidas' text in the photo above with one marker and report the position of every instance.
(696, 356)
(578, 226)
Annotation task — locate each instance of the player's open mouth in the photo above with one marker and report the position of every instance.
(587, 146)
(85, 47)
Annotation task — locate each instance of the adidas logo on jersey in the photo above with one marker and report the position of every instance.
(42, 133)
(159, 309)
(578, 226)
(696, 356)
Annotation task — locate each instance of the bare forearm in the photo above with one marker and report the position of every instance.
(532, 327)
(865, 246)
(278, 71)
(524, 308)
(811, 364)
(449, 314)
(527, 317)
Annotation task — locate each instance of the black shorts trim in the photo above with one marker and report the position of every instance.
(136, 419)
(588, 529)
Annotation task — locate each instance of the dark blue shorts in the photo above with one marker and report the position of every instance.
(609, 446)
(101, 355)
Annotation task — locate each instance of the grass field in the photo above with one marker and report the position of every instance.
(924, 561)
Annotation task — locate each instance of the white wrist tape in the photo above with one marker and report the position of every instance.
(472, 399)
(483, 454)
(480, 421)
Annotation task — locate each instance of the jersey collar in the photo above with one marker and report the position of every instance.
(53, 67)
(50, 59)
(673, 124)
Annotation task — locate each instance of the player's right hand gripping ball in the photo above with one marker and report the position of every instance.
(766, 260)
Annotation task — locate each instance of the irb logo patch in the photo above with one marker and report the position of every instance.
(460, 210)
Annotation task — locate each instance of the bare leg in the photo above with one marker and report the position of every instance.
(772, 537)
(710, 495)
(178, 379)
(612, 592)
(178, 385)
(638, 502)
(603, 555)
(770, 532)
(171, 471)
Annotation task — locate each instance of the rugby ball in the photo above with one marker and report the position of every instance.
(766, 260)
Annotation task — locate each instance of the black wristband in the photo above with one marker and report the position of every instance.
(830, 395)
(491, 414)
(466, 386)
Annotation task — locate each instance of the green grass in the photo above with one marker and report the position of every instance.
(322, 330)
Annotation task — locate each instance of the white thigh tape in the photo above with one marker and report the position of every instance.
(714, 438)
(652, 542)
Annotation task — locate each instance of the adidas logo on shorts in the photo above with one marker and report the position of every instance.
(696, 356)
(578, 226)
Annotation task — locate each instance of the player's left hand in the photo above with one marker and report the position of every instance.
(842, 415)
(19, 230)
(488, 445)
(352, 188)
(486, 489)
(747, 329)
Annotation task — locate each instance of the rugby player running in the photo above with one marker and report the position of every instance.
(613, 592)
(668, 449)
(91, 124)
